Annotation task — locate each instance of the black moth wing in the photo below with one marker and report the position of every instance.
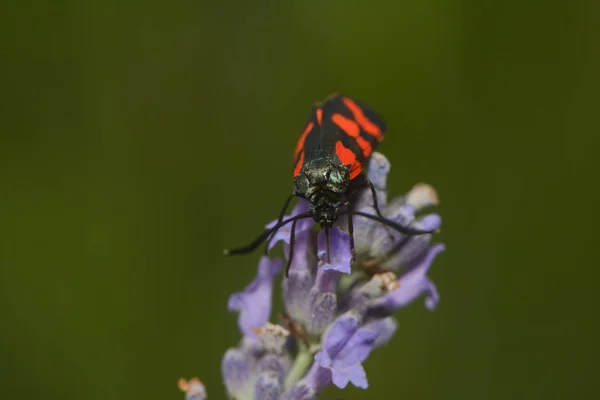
(358, 127)
(343, 127)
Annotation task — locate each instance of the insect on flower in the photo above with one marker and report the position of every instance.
(329, 162)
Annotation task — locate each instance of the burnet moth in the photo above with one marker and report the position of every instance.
(329, 164)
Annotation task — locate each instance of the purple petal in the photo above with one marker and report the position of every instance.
(339, 246)
(343, 268)
(421, 267)
(382, 238)
(357, 349)
(340, 378)
(267, 387)
(359, 303)
(301, 207)
(363, 230)
(336, 337)
(379, 168)
(235, 368)
(401, 213)
(355, 374)
(296, 289)
(322, 309)
(235, 302)
(317, 377)
(276, 364)
(358, 376)
(433, 299)
(323, 359)
(254, 303)
(327, 280)
(385, 327)
(404, 295)
(304, 252)
(300, 391)
(345, 364)
(414, 246)
(429, 222)
(283, 233)
(412, 284)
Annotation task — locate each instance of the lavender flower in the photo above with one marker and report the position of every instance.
(345, 346)
(194, 389)
(254, 303)
(335, 313)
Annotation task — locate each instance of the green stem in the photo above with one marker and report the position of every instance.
(302, 363)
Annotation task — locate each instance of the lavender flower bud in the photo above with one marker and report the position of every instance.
(422, 195)
(194, 389)
(379, 168)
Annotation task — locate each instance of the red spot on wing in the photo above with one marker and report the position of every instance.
(302, 139)
(365, 123)
(319, 116)
(299, 165)
(355, 170)
(347, 157)
(351, 128)
(365, 146)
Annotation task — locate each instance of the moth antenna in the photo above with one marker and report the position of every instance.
(264, 236)
(281, 215)
(402, 229)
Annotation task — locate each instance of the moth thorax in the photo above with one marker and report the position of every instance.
(323, 171)
(323, 176)
(326, 216)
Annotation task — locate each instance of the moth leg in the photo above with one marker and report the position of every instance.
(351, 232)
(291, 252)
(376, 206)
(281, 215)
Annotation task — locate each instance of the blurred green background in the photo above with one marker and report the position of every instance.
(138, 139)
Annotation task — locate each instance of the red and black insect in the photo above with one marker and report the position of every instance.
(329, 162)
